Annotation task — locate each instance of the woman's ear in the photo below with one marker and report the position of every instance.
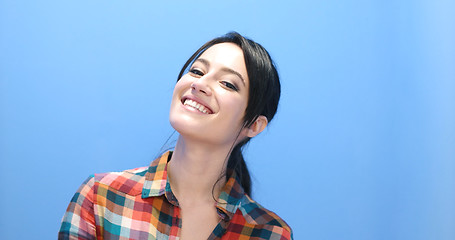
(257, 127)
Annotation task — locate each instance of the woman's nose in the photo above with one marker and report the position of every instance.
(201, 85)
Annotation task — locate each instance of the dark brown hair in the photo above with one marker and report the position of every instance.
(263, 98)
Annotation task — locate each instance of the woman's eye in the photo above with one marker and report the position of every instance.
(230, 85)
(196, 72)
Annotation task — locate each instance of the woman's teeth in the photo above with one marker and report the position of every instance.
(195, 105)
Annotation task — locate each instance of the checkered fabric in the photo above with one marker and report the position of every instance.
(139, 204)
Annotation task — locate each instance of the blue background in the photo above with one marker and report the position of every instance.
(363, 146)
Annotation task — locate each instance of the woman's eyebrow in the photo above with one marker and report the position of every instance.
(224, 69)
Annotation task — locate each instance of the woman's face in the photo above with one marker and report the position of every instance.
(209, 101)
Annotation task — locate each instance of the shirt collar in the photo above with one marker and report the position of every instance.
(232, 193)
(156, 181)
(156, 184)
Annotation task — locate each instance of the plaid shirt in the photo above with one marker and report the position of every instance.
(139, 204)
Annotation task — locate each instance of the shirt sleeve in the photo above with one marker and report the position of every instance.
(79, 219)
(279, 233)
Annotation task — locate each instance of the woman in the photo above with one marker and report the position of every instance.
(201, 189)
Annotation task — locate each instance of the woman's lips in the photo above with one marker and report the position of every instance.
(196, 105)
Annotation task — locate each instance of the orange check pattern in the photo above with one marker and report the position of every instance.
(139, 204)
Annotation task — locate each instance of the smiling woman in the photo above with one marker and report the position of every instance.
(215, 85)
(226, 93)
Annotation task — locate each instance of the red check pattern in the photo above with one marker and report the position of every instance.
(139, 204)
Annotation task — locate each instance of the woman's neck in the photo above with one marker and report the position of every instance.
(194, 169)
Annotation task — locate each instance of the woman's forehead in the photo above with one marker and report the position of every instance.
(225, 51)
(226, 55)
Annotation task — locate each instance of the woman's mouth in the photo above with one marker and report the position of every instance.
(201, 108)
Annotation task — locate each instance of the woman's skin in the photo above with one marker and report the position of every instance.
(218, 80)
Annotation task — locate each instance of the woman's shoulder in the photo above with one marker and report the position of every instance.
(128, 181)
(255, 213)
